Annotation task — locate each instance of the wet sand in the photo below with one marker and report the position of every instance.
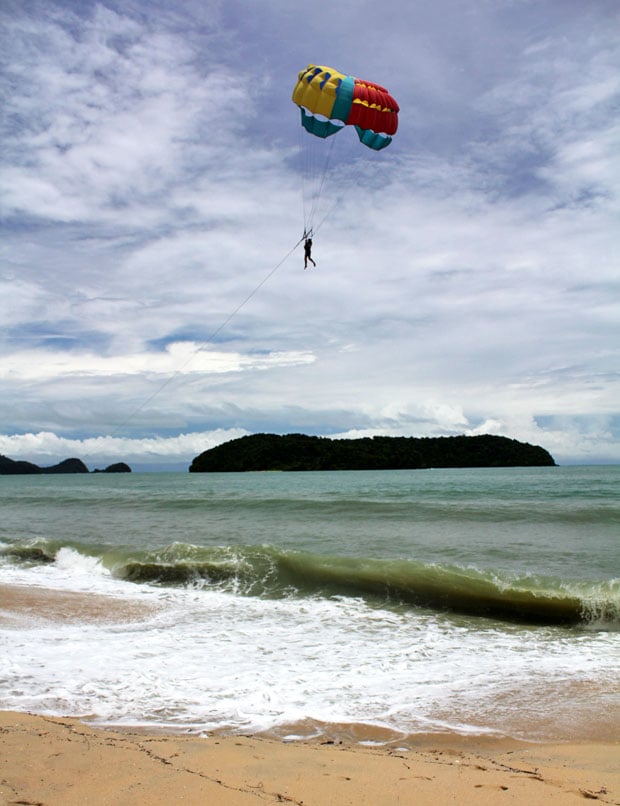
(21, 605)
(54, 761)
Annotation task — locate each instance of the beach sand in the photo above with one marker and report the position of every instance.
(21, 605)
(54, 761)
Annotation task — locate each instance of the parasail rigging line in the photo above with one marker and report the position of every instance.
(209, 339)
(317, 159)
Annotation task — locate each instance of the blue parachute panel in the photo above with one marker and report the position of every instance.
(319, 128)
(372, 139)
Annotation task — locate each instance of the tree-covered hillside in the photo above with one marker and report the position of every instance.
(301, 452)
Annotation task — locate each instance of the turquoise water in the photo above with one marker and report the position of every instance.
(413, 600)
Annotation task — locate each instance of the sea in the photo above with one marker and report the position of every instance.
(377, 606)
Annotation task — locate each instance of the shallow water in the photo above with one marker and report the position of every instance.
(476, 601)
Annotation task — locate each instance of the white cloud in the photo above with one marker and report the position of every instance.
(116, 116)
(178, 358)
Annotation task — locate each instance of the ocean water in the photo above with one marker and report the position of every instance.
(377, 604)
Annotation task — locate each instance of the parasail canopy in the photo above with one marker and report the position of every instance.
(330, 100)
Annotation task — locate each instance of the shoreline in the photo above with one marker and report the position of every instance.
(54, 761)
(69, 761)
(589, 713)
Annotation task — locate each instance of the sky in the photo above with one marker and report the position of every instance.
(154, 187)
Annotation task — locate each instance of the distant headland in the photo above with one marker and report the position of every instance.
(301, 452)
(12, 467)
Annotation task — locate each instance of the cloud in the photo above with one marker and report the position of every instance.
(151, 186)
(178, 358)
(109, 117)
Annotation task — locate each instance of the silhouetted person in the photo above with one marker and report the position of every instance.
(308, 253)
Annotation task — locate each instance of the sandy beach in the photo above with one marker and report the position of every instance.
(54, 761)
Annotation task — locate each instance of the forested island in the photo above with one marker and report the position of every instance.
(14, 467)
(301, 452)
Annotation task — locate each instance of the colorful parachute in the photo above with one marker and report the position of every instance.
(340, 99)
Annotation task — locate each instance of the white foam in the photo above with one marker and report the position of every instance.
(71, 565)
(211, 659)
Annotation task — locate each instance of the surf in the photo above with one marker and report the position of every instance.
(271, 572)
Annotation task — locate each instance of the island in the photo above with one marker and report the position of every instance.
(117, 467)
(13, 467)
(302, 452)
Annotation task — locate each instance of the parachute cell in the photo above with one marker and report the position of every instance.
(330, 100)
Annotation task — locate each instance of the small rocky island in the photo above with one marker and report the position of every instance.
(12, 467)
(301, 452)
